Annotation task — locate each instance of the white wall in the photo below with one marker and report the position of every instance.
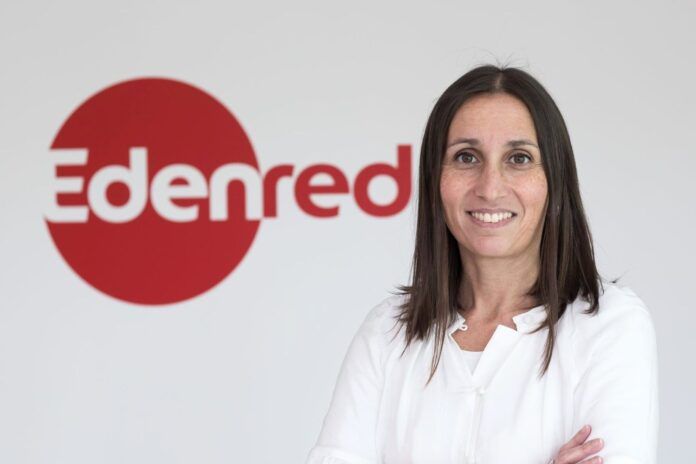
(244, 372)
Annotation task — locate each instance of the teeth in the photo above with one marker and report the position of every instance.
(496, 217)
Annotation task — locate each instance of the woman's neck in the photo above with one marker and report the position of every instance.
(495, 288)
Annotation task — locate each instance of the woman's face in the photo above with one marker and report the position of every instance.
(492, 162)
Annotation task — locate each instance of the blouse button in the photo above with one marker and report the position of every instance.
(481, 391)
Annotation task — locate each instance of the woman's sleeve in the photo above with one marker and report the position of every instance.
(348, 433)
(617, 393)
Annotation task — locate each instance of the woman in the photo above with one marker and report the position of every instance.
(507, 341)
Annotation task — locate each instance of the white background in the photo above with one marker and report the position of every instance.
(244, 373)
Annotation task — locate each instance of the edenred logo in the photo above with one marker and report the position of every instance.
(157, 195)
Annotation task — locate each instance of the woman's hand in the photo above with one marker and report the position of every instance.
(576, 449)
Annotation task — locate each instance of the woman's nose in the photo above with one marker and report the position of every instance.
(490, 184)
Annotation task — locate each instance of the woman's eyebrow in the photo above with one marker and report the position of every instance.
(474, 142)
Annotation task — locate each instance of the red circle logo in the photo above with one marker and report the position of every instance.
(150, 199)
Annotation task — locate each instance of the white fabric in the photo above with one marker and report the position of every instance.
(471, 358)
(603, 372)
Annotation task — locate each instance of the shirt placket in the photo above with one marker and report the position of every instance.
(476, 384)
(478, 394)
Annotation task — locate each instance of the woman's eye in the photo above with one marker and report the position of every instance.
(521, 156)
(465, 156)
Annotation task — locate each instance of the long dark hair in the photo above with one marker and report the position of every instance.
(567, 264)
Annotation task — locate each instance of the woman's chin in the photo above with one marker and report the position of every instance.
(492, 250)
(493, 254)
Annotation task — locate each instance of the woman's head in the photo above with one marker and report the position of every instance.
(492, 182)
(510, 115)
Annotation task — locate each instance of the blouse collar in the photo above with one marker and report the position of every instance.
(499, 347)
(525, 322)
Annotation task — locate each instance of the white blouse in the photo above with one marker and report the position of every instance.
(603, 372)
(471, 358)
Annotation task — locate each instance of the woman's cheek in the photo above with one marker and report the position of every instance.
(534, 190)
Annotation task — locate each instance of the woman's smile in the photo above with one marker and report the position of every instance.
(491, 221)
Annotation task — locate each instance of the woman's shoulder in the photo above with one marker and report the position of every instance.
(374, 340)
(621, 311)
(383, 316)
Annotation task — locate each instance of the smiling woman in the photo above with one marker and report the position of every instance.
(503, 281)
(493, 187)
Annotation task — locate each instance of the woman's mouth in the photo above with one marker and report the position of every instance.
(493, 220)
